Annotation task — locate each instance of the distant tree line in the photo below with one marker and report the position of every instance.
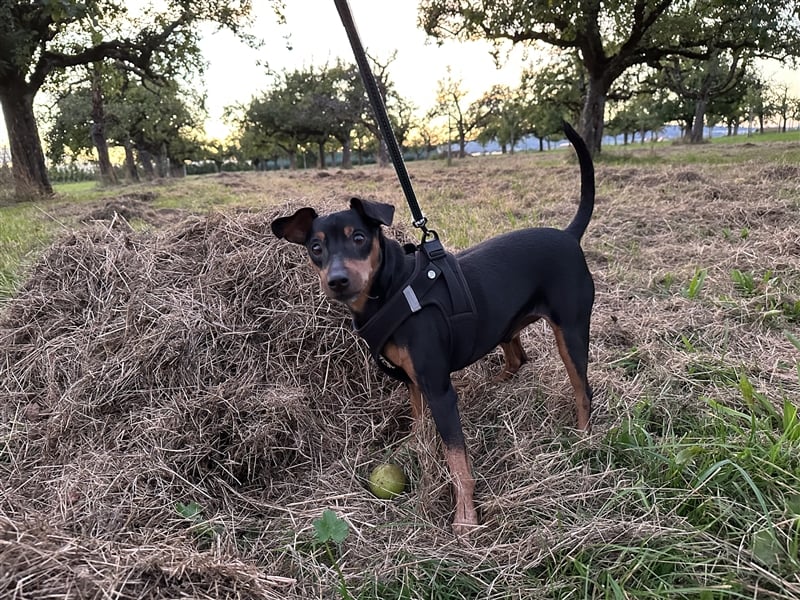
(622, 67)
(319, 115)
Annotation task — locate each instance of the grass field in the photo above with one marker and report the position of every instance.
(183, 405)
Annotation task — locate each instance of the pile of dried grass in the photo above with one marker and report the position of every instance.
(140, 370)
(201, 364)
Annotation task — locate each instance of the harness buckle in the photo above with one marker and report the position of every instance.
(432, 248)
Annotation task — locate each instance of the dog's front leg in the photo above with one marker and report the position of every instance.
(443, 403)
(415, 396)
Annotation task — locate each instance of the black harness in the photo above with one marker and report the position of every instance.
(436, 281)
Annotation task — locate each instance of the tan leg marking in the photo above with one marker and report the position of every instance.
(582, 401)
(465, 518)
(400, 357)
(415, 395)
(514, 357)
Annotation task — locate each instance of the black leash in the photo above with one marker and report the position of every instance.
(441, 275)
(379, 108)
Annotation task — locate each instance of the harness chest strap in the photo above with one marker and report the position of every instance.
(452, 297)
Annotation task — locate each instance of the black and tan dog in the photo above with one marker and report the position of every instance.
(513, 279)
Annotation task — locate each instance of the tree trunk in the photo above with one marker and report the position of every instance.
(462, 147)
(98, 130)
(593, 114)
(321, 146)
(699, 121)
(383, 153)
(27, 159)
(146, 159)
(130, 163)
(162, 164)
(347, 160)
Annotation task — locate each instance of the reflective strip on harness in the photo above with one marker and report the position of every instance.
(411, 298)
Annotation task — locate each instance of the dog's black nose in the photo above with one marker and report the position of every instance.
(338, 282)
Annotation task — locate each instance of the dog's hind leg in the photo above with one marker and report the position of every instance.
(415, 396)
(573, 346)
(514, 357)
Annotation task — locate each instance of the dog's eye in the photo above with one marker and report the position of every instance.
(316, 248)
(359, 238)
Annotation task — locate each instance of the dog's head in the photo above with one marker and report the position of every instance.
(344, 247)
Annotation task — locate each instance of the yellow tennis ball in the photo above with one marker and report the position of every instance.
(387, 481)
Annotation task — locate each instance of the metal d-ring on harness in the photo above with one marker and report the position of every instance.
(437, 279)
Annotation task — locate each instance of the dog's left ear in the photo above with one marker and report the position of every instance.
(377, 212)
(296, 228)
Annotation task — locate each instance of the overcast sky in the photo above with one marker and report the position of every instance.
(316, 36)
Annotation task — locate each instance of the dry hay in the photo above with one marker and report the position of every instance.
(120, 210)
(201, 364)
(141, 370)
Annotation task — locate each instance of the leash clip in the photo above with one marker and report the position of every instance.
(432, 248)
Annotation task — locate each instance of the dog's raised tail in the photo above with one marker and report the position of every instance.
(581, 220)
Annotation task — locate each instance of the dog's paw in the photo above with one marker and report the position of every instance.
(502, 376)
(466, 523)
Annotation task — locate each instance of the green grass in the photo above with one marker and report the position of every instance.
(731, 473)
(78, 189)
(755, 137)
(24, 231)
(728, 479)
(719, 150)
(195, 194)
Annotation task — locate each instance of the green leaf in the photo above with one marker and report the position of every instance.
(791, 424)
(746, 388)
(331, 527)
(696, 283)
(686, 455)
(793, 339)
(191, 511)
(793, 504)
(766, 547)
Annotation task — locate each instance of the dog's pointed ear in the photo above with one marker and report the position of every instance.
(296, 228)
(373, 211)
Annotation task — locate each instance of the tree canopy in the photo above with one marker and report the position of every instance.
(611, 36)
(314, 105)
(159, 122)
(39, 38)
